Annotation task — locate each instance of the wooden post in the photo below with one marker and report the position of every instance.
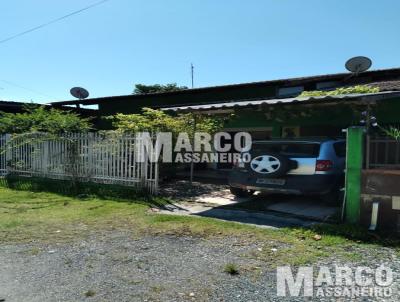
(191, 163)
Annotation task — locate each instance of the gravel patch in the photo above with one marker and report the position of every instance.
(182, 190)
(117, 266)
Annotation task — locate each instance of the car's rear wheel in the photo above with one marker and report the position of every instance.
(241, 192)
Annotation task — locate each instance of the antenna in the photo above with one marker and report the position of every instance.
(358, 64)
(192, 73)
(79, 92)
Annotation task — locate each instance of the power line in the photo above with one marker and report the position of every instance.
(51, 22)
(28, 89)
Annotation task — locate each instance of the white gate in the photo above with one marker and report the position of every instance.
(83, 156)
(3, 158)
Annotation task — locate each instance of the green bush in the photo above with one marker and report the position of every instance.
(341, 91)
(42, 119)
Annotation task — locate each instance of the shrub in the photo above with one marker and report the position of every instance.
(341, 91)
(41, 119)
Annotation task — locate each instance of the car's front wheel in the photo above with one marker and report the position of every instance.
(241, 192)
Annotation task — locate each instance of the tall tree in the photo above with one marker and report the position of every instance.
(144, 89)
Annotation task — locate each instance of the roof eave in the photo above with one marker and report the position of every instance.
(359, 98)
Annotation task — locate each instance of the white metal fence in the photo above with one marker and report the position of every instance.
(83, 156)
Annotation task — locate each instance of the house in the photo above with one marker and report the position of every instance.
(267, 108)
(274, 109)
(12, 107)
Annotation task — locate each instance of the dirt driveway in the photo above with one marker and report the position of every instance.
(116, 266)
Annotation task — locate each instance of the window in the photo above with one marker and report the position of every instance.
(340, 149)
(290, 91)
(327, 85)
(296, 149)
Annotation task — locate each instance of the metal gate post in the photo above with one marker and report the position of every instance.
(354, 162)
(8, 153)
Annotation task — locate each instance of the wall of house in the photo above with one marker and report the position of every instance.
(388, 111)
(311, 121)
(314, 120)
(381, 186)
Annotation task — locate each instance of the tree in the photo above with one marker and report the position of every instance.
(41, 119)
(38, 125)
(152, 120)
(144, 89)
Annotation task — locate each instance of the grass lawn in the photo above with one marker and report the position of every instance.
(27, 216)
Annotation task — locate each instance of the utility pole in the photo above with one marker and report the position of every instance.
(192, 73)
(194, 128)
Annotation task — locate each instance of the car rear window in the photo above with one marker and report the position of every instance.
(340, 149)
(299, 150)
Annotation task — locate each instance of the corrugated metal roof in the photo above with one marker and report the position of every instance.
(251, 103)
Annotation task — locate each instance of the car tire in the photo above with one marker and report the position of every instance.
(241, 192)
(285, 165)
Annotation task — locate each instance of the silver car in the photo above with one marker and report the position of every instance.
(295, 166)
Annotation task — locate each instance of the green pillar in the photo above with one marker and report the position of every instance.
(354, 164)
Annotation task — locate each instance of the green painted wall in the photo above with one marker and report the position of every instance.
(339, 116)
(387, 111)
(308, 119)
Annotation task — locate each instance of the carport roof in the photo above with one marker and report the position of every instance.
(364, 97)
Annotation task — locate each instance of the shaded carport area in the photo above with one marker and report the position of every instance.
(263, 209)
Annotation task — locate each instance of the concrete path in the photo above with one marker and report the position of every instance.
(310, 208)
(270, 211)
(265, 220)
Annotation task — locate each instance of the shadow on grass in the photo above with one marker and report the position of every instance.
(359, 234)
(24, 207)
(83, 190)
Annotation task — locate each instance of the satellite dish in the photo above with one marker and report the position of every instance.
(79, 93)
(358, 64)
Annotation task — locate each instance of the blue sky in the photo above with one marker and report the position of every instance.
(122, 42)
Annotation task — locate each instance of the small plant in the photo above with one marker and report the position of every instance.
(392, 132)
(341, 91)
(34, 251)
(157, 289)
(90, 293)
(231, 269)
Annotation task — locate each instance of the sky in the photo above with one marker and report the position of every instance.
(119, 43)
